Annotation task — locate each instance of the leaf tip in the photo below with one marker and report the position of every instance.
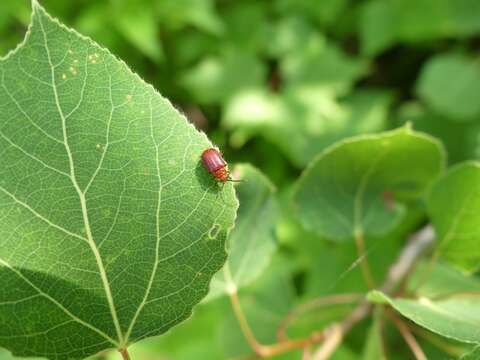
(409, 126)
(35, 5)
(377, 297)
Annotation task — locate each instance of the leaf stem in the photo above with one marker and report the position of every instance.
(408, 337)
(331, 300)
(364, 265)
(125, 354)
(451, 349)
(261, 350)
(333, 335)
(410, 254)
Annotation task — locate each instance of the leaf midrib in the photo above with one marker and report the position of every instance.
(81, 195)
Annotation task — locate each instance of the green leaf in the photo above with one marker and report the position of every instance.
(374, 349)
(454, 207)
(317, 63)
(442, 280)
(176, 14)
(265, 303)
(217, 78)
(459, 137)
(456, 317)
(111, 227)
(472, 355)
(345, 189)
(377, 27)
(137, 23)
(385, 22)
(303, 121)
(449, 84)
(327, 14)
(197, 338)
(252, 242)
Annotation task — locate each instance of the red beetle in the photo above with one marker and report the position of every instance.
(216, 165)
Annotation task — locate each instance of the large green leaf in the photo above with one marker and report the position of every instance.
(252, 242)
(454, 207)
(111, 229)
(351, 187)
(457, 317)
(450, 84)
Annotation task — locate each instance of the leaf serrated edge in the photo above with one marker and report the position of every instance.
(37, 7)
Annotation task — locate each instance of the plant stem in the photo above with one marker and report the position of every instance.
(125, 354)
(311, 305)
(242, 321)
(261, 350)
(397, 272)
(333, 335)
(451, 349)
(408, 337)
(364, 265)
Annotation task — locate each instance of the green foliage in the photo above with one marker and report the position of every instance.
(454, 209)
(374, 346)
(472, 355)
(251, 243)
(449, 84)
(107, 191)
(454, 317)
(385, 22)
(303, 94)
(346, 189)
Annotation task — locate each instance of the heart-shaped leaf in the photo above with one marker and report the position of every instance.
(111, 229)
(454, 207)
(352, 186)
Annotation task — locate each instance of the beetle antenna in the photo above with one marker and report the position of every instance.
(235, 180)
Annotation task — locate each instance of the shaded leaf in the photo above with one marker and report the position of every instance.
(353, 185)
(454, 208)
(252, 242)
(318, 64)
(459, 137)
(176, 14)
(326, 14)
(263, 308)
(386, 22)
(304, 121)
(138, 24)
(217, 78)
(472, 355)
(441, 280)
(111, 228)
(449, 84)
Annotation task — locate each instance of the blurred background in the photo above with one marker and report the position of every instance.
(274, 82)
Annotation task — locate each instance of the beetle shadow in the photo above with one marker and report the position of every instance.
(206, 180)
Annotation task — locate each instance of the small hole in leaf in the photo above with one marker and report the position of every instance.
(213, 232)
